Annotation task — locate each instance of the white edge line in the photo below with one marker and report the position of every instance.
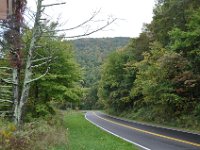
(116, 134)
(151, 125)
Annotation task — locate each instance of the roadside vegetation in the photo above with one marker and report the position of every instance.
(85, 136)
(67, 130)
(156, 78)
(39, 134)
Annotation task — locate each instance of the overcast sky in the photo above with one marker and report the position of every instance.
(131, 14)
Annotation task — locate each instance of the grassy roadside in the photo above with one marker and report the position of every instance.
(85, 136)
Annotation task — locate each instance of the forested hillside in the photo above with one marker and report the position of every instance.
(157, 76)
(90, 53)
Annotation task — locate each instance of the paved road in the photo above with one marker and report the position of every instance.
(145, 136)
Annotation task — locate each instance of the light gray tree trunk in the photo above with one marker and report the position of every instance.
(15, 76)
(28, 71)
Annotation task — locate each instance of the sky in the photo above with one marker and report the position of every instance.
(130, 14)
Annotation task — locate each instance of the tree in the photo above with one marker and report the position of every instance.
(169, 14)
(32, 58)
(187, 41)
(64, 75)
(153, 89)
(116, 81)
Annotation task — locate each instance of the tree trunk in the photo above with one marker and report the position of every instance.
(15, 91)
(28, 70)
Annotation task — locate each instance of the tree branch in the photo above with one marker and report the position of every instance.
(3, 100)
(80, 25)
(39, 65)
(41, 59)
(6, 111)
(39, 76)
(40, 55)
(5, 86)
(87, 33)
(7, 68)
(8, 81)
(49, 5)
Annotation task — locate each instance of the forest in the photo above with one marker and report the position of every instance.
(154, 77)
(90, 54)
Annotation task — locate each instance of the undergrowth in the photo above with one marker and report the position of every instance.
(187, 122)
(40, 134)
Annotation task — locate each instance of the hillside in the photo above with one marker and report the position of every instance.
(90, 53)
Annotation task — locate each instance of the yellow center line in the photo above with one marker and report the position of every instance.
(147, 132)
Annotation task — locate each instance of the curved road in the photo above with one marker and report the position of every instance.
(146, 137)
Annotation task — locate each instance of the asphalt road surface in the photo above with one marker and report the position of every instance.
(146, 137)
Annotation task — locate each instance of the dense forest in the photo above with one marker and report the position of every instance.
(156, 77)
(90, 54)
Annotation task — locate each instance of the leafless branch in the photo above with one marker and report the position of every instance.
(49, 5)
(5, 86)
(38, 54)
(41, 59)
(80, 25)
(39, 76)
(91, 32)
(41, 64)
(6, 111)
(4, 100)
(8, 81)
(6, 68)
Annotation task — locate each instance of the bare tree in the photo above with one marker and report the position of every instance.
(38, 31)
(12, 43)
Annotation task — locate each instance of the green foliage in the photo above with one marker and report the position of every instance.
(169, 14)
(116, 81)
(61, 84)
(89, 100)
(91, 53)
(154, 86)
(164, 79)
(140, 45)
(64, 75)
(188, 41)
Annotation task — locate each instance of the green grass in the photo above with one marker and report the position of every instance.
(85, 136)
